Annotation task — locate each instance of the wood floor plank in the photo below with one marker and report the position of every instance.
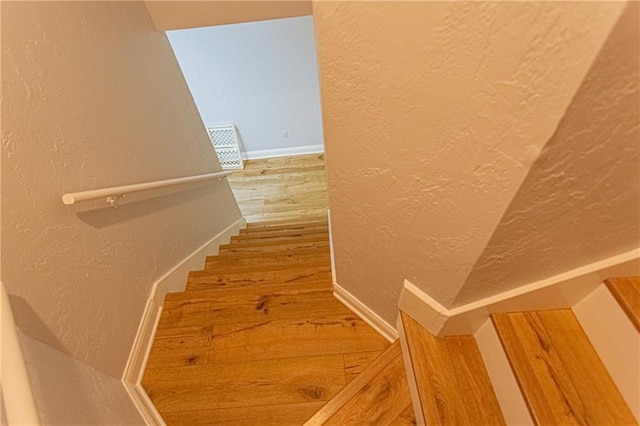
(264, 415)
(447, 394)
(271, 258)
(287, 223)
(243, 384)
(249, 291)
(251, 307)
(187, 348)
(562, 378)
(275, 244)
(273, 190)
(387, 398)
(626, 291)
(295, 232)
(249, 239)
(318, 227)
(406, 418)
(228, 250)
(380, 402)
(264, 270)
(355, 363)
(335, 334)
(206, 280)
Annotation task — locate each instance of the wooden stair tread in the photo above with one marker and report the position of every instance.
(453, 384)
(264, 243)
(256, 232)
(324, 334)
(379, 395)
(206, 280)
(250, 308)
(240, 384)
(265, 415)
(313, 256)
(248, 291)
(626, 291)
(248, 239)
(231, 256)
(236, 249)
(286, 223)
(561, 376)
(259, 269)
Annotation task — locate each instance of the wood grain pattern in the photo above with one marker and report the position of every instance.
(274, 247)
(187, 347)
(287, 188)
(453, 384)
(276, 237)
(276, 339)
(243, 384)
(265, 415)
(288, 223)
(206, 280)
(406, 418)
(355, 363)
(249, 307)
(379, 395)
(626, 291)
(321, 226)
(258, 337)
(287, 257)
(559, 372)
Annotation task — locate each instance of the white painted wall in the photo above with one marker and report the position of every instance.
(69, 392)
(261, 76)
(92, 97)
(434, 113)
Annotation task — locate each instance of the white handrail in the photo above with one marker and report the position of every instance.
(16, 386)
(113, 193)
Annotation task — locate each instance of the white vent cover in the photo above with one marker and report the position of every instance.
(225, 142)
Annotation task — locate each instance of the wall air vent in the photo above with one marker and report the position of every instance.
(225, 142)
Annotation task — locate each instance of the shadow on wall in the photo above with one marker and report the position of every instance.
(579, 203)
(60, 382)
(29, 323)
(136, 206)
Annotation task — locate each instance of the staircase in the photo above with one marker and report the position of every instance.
(258, 338)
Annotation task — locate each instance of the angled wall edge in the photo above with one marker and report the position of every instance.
(560, 291)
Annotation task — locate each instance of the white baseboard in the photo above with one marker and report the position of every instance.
(616, 341)
(561, 291)
(351, 302)
(173, 281)
(176, 279)
(283, 152)
(366, 314)
(134, 370)
(331, 252)
(411, 377)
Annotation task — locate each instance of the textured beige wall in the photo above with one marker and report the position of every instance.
(580, 202)
(69, 392)
(177, 14)
(433, 114)
(92, 97)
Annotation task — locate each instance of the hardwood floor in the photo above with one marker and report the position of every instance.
(258, 338)
(284, 188)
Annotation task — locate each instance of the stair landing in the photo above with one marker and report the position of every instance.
(258, 338)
